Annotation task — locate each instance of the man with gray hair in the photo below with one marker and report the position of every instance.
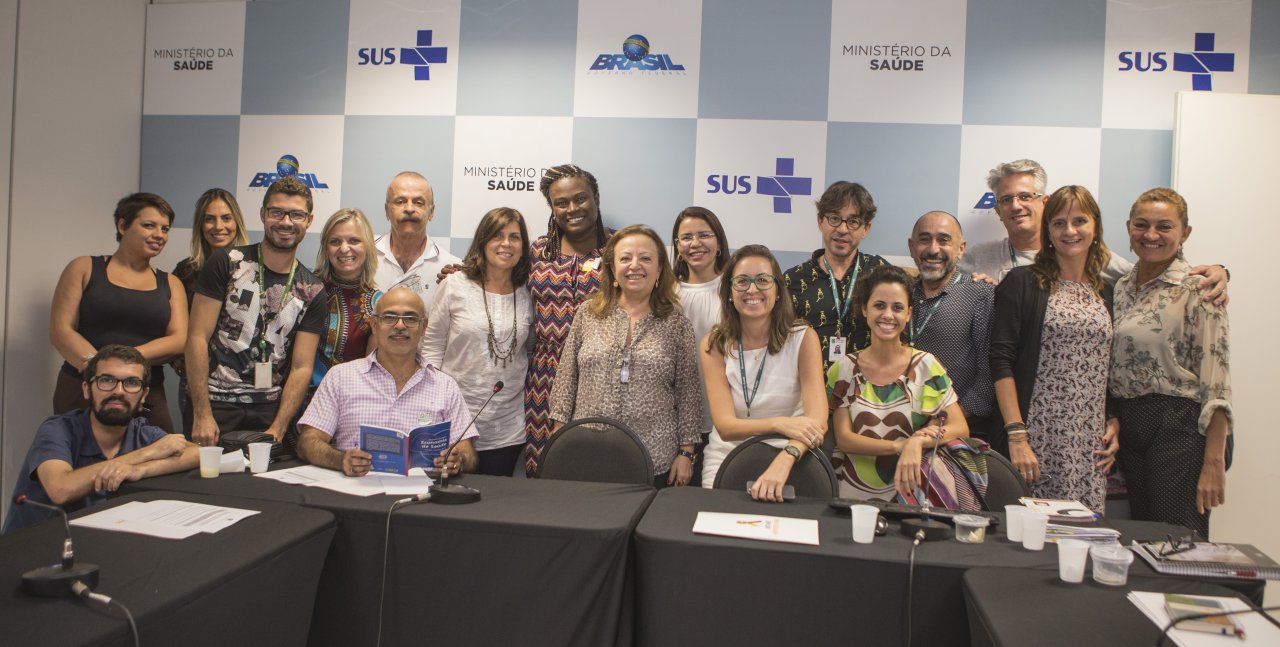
(407, 257)
(951, 318)
(1021, 191)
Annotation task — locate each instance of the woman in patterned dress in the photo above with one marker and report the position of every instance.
(346, 263)
(631, 356)
(1170, 373)
(565, 269)
(1050, 352)
(892, 401)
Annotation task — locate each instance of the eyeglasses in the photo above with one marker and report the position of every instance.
(1006, 200)
(107, 383)
(389, 320)
(742, 282)
(834, 221)
(280, 214)
(1175, 546)
(702, 236)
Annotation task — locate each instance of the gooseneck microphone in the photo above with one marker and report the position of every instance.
(55, 580)
(926, 528)
(451, 494)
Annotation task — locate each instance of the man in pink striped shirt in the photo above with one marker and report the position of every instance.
(393, 388)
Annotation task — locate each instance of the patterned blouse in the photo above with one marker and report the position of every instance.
(347, 330)
(1169, 341)
(652, 385)
(886, 412)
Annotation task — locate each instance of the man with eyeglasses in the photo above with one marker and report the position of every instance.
(79, 456)
(407, 257)
(393, 388)
(1021, 190)
(822, 287)
(255, 323)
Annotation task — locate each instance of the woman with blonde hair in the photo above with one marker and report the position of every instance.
(630, 355)
(347, 265)
(1050, 352)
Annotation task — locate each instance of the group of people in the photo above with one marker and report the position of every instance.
(1055, 352)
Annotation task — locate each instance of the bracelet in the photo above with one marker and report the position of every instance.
(1016, 426)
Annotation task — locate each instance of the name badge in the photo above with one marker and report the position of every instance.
(262, 375)
(836, 348)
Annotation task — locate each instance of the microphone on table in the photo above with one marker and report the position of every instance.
(56, 580)
(926, 528)
(1164, 635)
(451, 494)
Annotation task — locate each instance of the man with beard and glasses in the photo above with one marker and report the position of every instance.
(951, 319)
(407, 257)
(79, 456)
(255, 323)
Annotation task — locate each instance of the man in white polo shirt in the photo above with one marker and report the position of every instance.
(407, 257)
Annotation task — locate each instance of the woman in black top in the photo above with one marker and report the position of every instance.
(121, 299)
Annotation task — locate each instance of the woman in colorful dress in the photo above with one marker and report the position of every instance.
(121, 299)
(220, 225)
(346, 263)
(478, 333)
(761, 330)
(892, 402)
(1050, 353)
(1170, 373)
(565, 269)
(700, 249)
(631, 356)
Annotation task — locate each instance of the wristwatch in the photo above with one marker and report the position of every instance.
(689, 455)
(791, 449)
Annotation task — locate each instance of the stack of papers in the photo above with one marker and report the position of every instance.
(1096, 535)
(1060, 510)
(1257, 630)
(755, 526)
(416, 482)
(164, 518)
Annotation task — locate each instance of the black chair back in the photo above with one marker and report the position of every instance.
(596, 449)
(1004, 484)
(812, 476)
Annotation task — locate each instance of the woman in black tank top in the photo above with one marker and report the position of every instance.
(121, 299)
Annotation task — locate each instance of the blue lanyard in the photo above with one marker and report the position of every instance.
(750, 395)
(915, 333)
(842, 304)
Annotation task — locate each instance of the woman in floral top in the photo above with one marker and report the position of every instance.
(1170, 382)
(631, 356)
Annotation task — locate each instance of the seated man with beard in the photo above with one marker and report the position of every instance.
(77, 457)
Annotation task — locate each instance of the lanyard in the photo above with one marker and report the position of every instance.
(262, 296)
(915, 333)
(842, 304)
(750, 395)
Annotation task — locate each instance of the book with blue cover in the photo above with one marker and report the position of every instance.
(396, 452)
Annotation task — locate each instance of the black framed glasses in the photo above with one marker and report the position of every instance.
(834, 221)
(1175, 546)
(389, 320)
(107, 383)
(280, 214)
(742, 282)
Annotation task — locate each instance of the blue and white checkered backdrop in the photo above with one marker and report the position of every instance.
(747, 107)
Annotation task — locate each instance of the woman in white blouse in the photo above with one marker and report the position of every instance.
(478, 332)
(763, 371)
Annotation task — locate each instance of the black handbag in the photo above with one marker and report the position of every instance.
(239, 441)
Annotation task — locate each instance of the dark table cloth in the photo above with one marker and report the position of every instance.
(533, 562)
(253, 583)
(744, 592)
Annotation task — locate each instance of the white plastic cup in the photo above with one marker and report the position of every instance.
(259, 457)
(1111, 564)
(864, 522)
(210, 462)
(970, 528)
(1013, 521)
(1072, 555)
(1034, 525)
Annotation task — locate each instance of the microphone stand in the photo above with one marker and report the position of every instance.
(926, 528)
(56, 580)
(453, 493)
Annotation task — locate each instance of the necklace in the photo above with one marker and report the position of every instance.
(494, 343)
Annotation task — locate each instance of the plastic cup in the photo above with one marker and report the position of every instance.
(259, 457)
(1111, 564)
(1034, 525)
(864, 522)
(1013, 521)
(1072, 555)
(210, 462)
(971, 528)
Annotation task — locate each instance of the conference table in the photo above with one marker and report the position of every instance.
(1014, 607)
(533, 562)
(705, 590)
(252, 583)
